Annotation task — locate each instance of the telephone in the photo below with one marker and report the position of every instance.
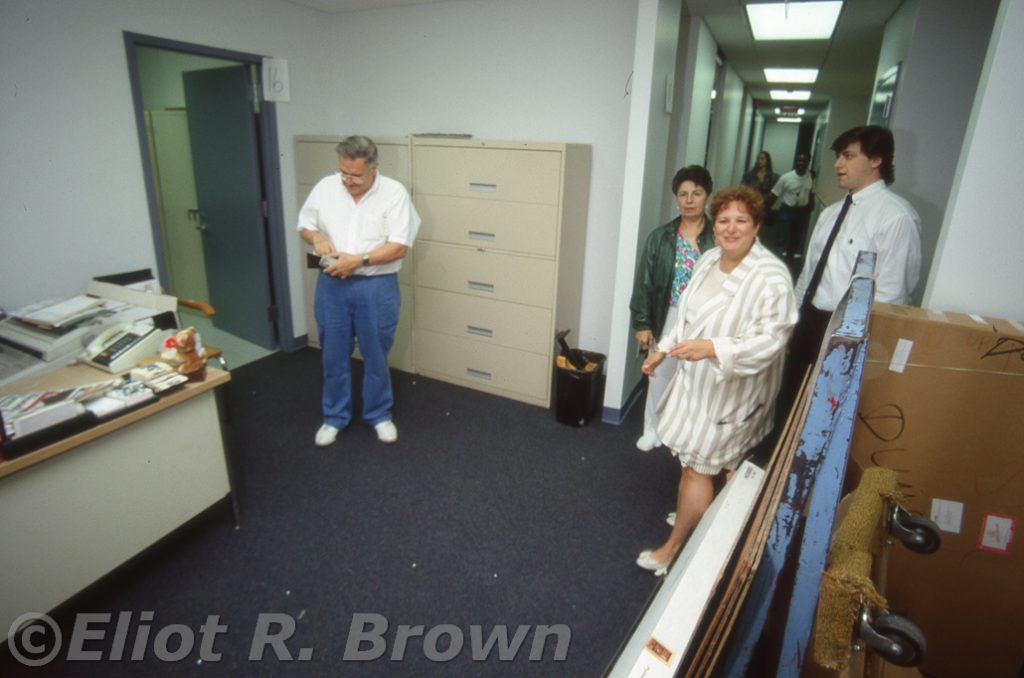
(122, 346)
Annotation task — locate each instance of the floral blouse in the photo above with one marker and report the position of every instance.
(687, 255)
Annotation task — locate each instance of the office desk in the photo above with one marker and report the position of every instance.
(74, 510)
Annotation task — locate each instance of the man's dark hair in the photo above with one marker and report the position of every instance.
(694, 173)
(875, 142)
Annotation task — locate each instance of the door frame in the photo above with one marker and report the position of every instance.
(270, 170)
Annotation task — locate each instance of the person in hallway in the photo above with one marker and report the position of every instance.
(729, 340)
(666, 263)
(871, 218)
(362, 223)
(762, 178)
(793, 193)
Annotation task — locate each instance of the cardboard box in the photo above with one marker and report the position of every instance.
(942, 403)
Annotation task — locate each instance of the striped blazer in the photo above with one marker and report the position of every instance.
(718, 408)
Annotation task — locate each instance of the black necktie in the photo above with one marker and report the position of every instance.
(819, 270)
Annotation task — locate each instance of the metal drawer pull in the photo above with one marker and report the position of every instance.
(478, 374)
(480, 235)
(483, 188)
(481, 287)
(480, 331)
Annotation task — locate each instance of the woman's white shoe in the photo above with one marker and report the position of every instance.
(647, 562)
(648, 442)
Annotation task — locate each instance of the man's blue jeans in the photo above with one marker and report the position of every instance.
(363, 308)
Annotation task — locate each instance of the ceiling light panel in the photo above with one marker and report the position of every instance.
(799, 75)
(789, 119)
(793, 20)
(790, 95)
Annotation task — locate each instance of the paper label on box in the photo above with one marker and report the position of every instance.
(977, 318)
(996, 533)
(900, 355)
(948, 515)
(1016, 325)
(937, 315)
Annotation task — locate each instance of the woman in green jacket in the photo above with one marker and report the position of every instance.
(668, 258)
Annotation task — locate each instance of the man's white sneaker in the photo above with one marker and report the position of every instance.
(648, 442)
(326, 435)
(386, 432)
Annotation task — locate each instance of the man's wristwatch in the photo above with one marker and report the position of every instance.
(366, 260)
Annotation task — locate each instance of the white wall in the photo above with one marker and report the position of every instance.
(937, 84)
(522, 69)
(697, 63)
(977, 267)
(742, 159)
(645, 187)
(843, 114)
(726, 133)
(780, 141)
(71, 175)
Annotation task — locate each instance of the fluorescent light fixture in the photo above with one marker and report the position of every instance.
(793, 20)
(801, 75)
(783, 119)
(790, 94)
(790, 111)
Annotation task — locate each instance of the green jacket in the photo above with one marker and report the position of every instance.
(652, 286)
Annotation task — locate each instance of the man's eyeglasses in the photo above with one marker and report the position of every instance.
(356, 179)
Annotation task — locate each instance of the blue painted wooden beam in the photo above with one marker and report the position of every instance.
(833, 400)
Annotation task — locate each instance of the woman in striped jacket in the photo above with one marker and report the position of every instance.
(733, 324)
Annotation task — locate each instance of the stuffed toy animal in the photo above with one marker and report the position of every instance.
(185, 350)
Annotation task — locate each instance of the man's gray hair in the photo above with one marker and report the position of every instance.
(355, 147)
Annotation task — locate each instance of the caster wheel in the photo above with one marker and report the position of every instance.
(895, 639)
(919, 534)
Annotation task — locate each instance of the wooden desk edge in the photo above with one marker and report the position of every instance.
(214, 378)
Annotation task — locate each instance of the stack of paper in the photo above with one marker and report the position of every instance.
(128, 395)
(158, 376)
(26, 413)
(55, 315)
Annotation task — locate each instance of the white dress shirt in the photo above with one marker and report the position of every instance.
(384, 214)
(794, 190)
(878, 221)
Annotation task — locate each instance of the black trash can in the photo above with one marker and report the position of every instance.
(579, 392)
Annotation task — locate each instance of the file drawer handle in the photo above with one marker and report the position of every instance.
(483, 188)
(478, 374)
(480, 331)
(480, 286)
(480, 235)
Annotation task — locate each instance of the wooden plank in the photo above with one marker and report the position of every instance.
(845, 363)
(832, 376)
(661, 639)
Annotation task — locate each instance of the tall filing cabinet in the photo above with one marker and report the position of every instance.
(498, 260)
(315, 158)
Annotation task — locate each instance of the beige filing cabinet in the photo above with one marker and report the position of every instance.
(499, 260)
(315, 158)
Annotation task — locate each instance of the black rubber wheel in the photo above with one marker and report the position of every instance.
(926, 535)
(906, 645)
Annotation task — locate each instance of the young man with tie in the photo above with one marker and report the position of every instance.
(871, 218)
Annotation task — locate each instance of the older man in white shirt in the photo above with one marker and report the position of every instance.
(362, 224)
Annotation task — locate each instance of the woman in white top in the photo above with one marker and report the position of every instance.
(730, 336)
